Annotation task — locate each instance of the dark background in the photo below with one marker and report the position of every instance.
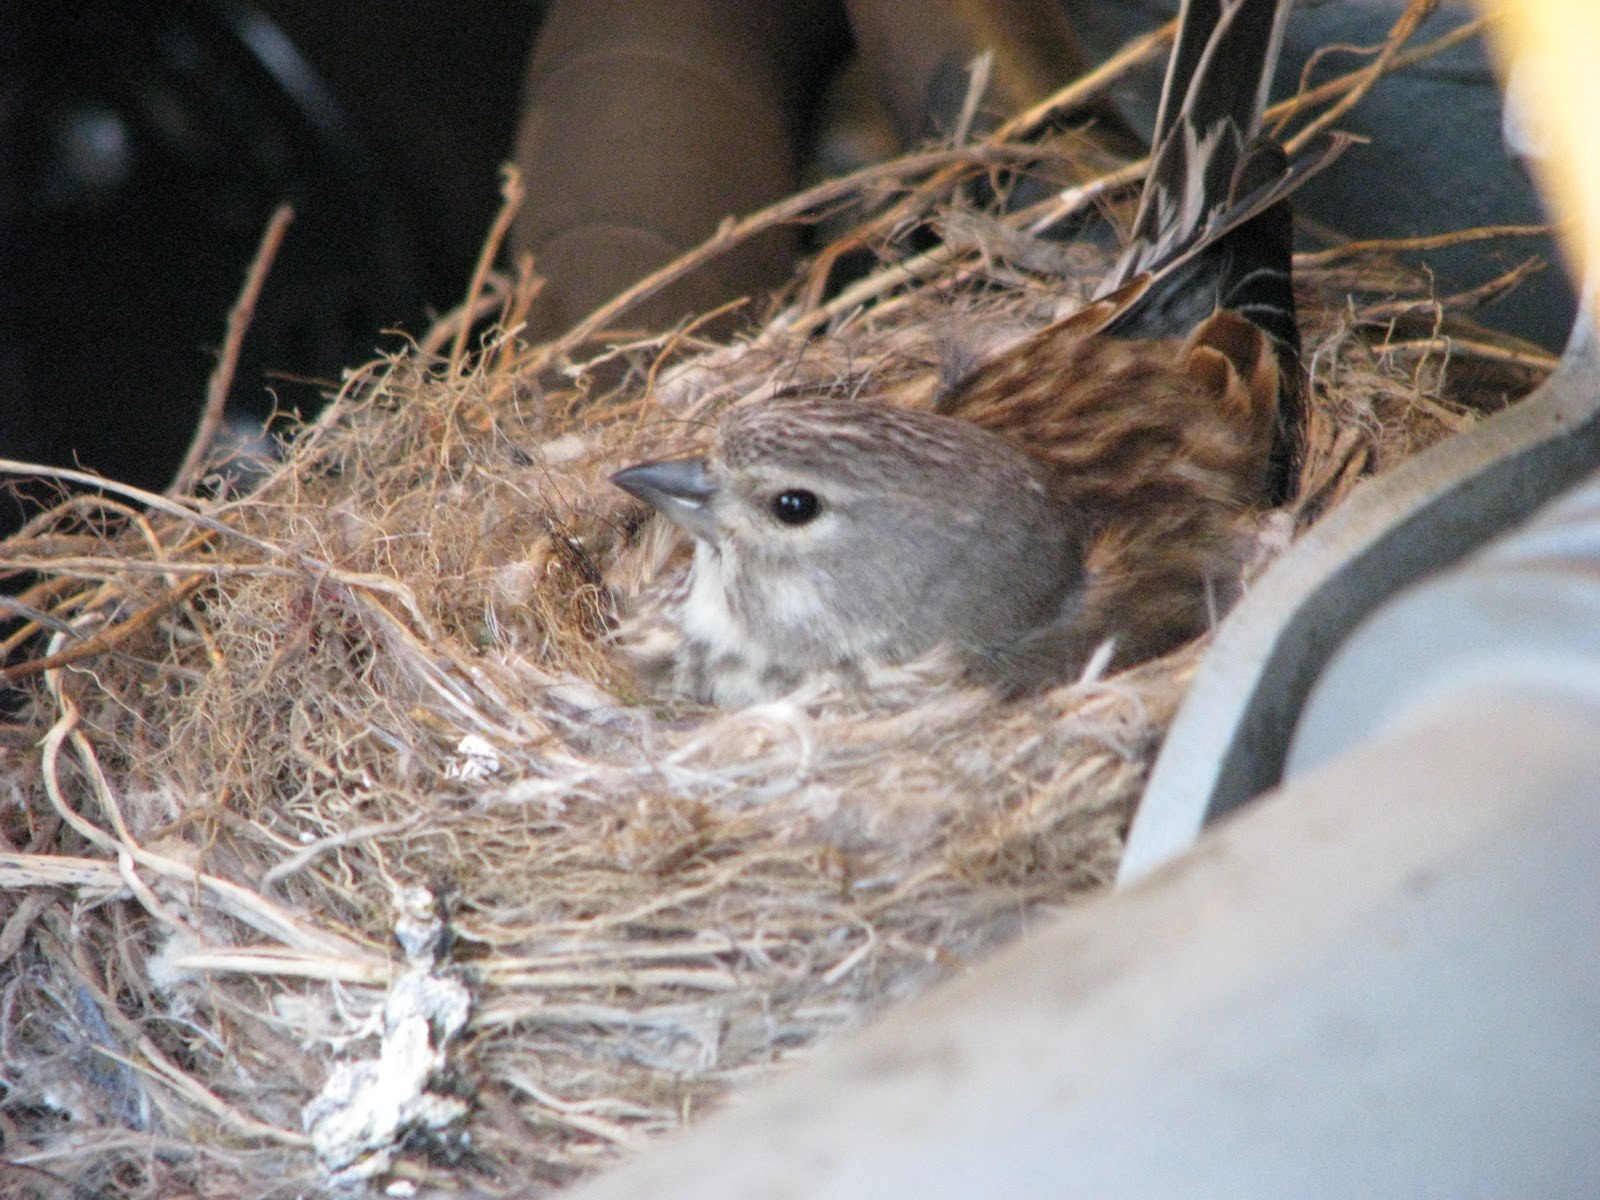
(150, 140)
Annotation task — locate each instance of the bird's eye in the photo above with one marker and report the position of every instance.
(796, 506)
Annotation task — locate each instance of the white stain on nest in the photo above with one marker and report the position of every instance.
(475, 759)
(369, 1106)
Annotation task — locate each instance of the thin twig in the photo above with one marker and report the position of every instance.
(1436, 241)
(289, 964)
(523, 292)
(1281, 112)
(349, 837)
(492, 295)
(15, 931)
(105, 639)
(1088, 85)
(172, 506)
(10, 607)
(1415, 13)
(1471, 298)
(1517, 356)
(221, 381)
(23, 871)
(511, 195)
(978, 74)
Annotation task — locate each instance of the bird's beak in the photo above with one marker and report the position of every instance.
(680, 489)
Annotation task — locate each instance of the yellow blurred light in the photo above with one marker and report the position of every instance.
(1552, 49)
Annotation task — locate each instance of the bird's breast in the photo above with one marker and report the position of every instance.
(707, 617)
(722, 659)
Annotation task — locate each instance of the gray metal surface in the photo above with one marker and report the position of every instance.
(1523, 611)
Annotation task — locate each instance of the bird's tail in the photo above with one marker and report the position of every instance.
(1212, 229)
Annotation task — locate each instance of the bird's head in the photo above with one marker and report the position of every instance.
(830, 533)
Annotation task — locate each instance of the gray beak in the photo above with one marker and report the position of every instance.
(680, 489)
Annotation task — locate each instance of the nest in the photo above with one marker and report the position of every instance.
(341, 850)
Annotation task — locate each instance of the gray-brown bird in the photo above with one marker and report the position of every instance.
(1085, 487)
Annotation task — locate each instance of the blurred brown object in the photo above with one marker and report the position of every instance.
(920, 54)
(644, 125)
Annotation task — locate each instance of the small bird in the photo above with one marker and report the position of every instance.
(1083, 489)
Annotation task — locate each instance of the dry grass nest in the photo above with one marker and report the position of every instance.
(334, 778)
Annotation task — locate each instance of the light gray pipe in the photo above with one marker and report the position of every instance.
(1520, 617)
